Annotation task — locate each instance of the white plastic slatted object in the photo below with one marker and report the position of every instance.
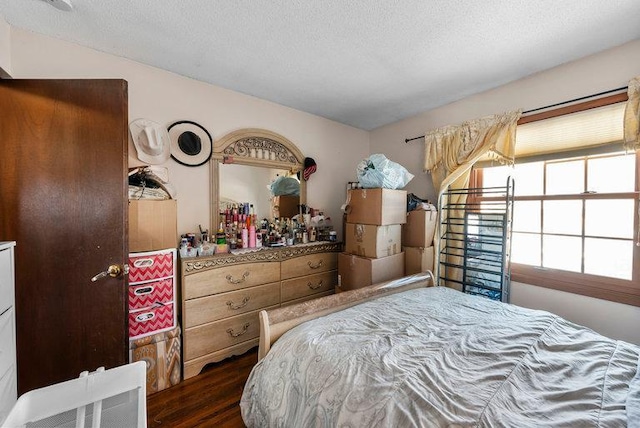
(104, 398)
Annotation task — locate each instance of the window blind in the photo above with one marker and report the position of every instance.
(597, 130)
(589, 132)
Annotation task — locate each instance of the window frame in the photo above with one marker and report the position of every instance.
(607, 288)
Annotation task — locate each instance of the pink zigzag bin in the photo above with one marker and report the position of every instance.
(146, 294)
(152, 292)
(150, 266)
(151, 320)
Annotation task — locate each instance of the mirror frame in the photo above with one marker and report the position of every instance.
(253, 147)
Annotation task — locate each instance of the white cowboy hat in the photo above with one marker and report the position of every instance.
(151, 141)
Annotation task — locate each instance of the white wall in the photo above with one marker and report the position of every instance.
(5, 46)
(166, 97)
(597, 73)
(609, 318)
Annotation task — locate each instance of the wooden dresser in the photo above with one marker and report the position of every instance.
(222, 295)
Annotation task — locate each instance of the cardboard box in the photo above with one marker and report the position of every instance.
(368, 240)
(377, 206)
(153, 225)
(357, 272)
(162, 353)
(288, 205)
(419, 229)
(418, 259)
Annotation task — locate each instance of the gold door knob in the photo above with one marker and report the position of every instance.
(112, 271)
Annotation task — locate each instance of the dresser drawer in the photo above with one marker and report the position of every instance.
(225, 305)
(311, 297)
(230, 278)
(7, 341)
(307, 265)
(151, 320)
(151, 265)
(308, 285)
(8, 393)
(146, 294)
(208, 338)
(6, 279)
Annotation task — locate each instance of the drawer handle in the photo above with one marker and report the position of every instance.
(147, 316)
(143, 290)
(233, 306)
(314, 286)
(143, 263)
(240, 333)
(317, 266)
(238, 281)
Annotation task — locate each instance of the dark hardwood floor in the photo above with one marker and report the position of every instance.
(210, 399)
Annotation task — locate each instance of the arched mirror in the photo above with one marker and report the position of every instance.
(244, 165)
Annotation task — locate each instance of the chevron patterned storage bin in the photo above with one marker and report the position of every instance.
(145, 295)
(152, 293)
(147, 321)
(151, 265)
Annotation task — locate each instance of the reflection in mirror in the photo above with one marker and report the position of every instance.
(252, 184)
(243, 165)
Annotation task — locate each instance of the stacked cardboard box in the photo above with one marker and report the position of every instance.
(152, 225)
(373, 238)
(417, 240)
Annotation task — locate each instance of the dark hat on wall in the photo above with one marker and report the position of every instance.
(309, 168)
(191, 144)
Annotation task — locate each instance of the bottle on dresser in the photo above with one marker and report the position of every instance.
(238, 219)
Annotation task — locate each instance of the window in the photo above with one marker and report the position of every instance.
(576, 211)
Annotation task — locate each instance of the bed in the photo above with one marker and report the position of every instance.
(403, 354)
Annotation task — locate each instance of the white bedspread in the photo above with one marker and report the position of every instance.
(438, 357)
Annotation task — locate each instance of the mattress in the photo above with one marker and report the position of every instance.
(435, 357)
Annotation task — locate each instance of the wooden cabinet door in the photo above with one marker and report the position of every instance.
(63, 199)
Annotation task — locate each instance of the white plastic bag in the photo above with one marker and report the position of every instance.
(285, 186)
(378, 171)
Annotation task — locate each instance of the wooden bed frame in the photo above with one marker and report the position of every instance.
(276, 322)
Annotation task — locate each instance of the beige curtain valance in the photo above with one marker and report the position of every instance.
(452, 150)
(632, 116)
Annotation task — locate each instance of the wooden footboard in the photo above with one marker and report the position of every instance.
(276, 322)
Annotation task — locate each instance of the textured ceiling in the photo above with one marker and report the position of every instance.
(365, 63)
